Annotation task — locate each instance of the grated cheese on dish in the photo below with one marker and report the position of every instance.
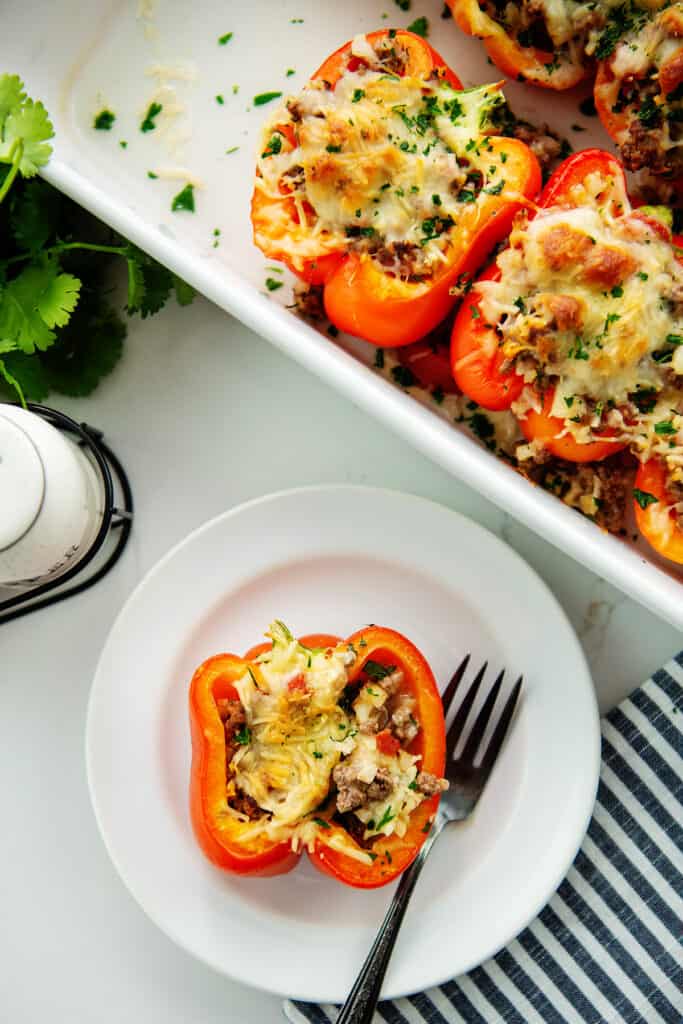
(383, 164)
(591, 299)
(300, 725)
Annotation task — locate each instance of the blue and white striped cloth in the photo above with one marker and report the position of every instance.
(608, 948)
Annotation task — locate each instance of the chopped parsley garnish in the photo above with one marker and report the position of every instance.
(617, 291)
(665, 427)
(333, 149)
(385, 819)
(403, 4)
(148, 123)
(104, 120)
(412, 785)
(321, 822)
(272, 285)
(184, 200)
(466, 195)
(403, 376)
(274, 145)
(243, 736)
(266, 97)
(474, 313)
(222, 40)
(645, 401)
(674, 339)
(152, 175)
(358, 95)
(569, 401)
(649, 113)
(520, 304)
(642, 275)
(317, 754)
(577, 350)
(436, 199)
(376, 670)
(481, 425)
(289, 72)
(644, 498)
(420, 27)
(373, 693)
(233, 149)
(495, 190)
(219, 99)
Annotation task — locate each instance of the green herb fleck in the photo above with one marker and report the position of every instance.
(403, 376)
(321, 822)
(272, 285)
(289, 72)
(104, 120)
(184, 200)
(243, 736)
(274, 145)
(266, 97)
(222, 40)
(333, 149)
(152, 175)
(148, 123)
(358, 95)
(385, 819)
(219, 99)
(665, 427)
(644, 498)
(617, 291)
(420, 27)
(233, 149)
(376, 670)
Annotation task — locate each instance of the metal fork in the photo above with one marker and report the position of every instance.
(467, 780)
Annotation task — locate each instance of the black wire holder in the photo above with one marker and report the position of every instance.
(115, 518)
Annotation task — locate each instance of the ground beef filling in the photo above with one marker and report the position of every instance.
(350, 792)
(232, 716)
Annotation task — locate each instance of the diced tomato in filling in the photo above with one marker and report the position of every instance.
(387, 744)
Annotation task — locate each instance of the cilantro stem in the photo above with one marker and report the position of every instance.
(17, 145)
(116, 250)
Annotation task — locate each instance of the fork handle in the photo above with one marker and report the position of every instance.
(364, 996)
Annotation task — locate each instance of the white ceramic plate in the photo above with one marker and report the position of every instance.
(331, 560)
(74, 64)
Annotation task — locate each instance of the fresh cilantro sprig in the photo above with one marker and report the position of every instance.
(58, 329)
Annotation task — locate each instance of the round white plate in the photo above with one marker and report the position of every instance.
(333, 559)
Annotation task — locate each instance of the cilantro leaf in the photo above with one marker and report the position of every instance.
(184, 292)
(86, 350)
(26, 133)
(20, 318)
(184, 200)
(33, 215)
(58, 298)
(24, 377)
(12, 96)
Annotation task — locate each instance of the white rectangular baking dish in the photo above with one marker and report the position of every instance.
(80, 58)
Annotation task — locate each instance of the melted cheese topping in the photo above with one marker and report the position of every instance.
(652, 54)
(592, 299)
(296, 734)
(382, 163)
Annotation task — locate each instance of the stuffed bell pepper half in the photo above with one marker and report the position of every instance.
(577, 328)
(331, 746)
(380, 182)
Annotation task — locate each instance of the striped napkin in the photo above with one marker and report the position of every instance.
(607, 949)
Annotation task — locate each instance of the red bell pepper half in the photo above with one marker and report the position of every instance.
(477, 361)
(361, 295)
(222, 837)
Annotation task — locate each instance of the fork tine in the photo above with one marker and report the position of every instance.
(482, 720)
(501, 729)
(449, 692)
(458, 723)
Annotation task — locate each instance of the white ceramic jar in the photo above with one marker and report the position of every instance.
(51, 500)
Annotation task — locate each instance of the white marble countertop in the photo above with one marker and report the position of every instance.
(204, 415)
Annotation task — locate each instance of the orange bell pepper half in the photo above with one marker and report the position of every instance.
(221, 836)
(361, 295)
(523, 63)
(477, 359)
